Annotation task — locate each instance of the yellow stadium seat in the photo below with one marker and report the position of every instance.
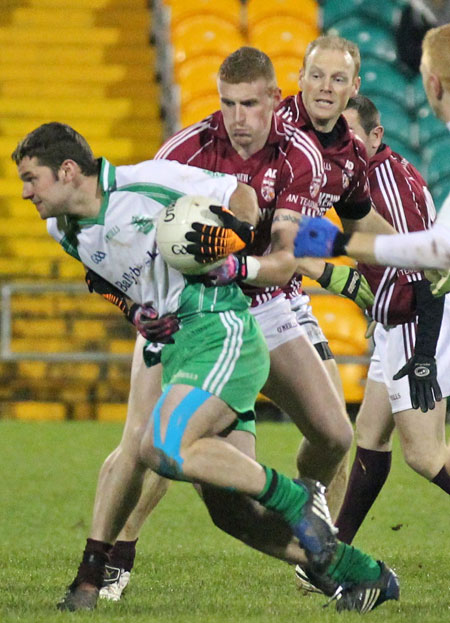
(179, 10)
(342, 322)
(353, 376)
(197, 76)
(287, 70)
(199, 108)
(282, 35)
(39, 410)
(305, 11)
(204, 35)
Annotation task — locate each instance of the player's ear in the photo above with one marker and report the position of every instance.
(69, 169)
(436, 85)
(356, 86)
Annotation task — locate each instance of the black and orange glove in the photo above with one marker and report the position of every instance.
(144, 317)
(212, 243)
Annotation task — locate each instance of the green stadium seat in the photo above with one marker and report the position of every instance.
(395, 119)
(372, 39)
(418, 95)
(429, 127)
(381, 78)
(335, 10)
(387, 12)
(438, 162)
(440, 192)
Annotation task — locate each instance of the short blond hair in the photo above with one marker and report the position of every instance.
(333, 42)
(436, 44)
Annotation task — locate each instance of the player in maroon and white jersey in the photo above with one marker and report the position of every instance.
(412, 334)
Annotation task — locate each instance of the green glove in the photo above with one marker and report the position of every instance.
(439, 280)
(347, 282)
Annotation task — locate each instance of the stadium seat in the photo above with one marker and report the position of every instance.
(282, 35)
(387, 12)
(379, 77)
(418, 95)
(353, 377)
(343, 324)
(440, 191)
(430, 128)
(204, 35)
(395, 119)
(198, 108)
(373, 40)
(438, 163)
(197, 76)
(305, 11)
(335, 10)
(287, 71)
(178, 10)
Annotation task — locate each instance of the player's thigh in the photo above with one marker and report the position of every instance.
(184, 414)
(422, 438)
(375, 422)
(145, 390)
(300, 385)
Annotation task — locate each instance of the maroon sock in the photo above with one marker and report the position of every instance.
(442, 480)
(122, 555)
(369, 472)
(92, 566)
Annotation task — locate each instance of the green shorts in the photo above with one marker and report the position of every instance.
(223, 353)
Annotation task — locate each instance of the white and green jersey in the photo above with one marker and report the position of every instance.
(120, 243)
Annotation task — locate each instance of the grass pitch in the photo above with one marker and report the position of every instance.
(186, 570)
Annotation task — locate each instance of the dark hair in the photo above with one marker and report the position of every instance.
(369, 116)
(52, 143)
(247, 64)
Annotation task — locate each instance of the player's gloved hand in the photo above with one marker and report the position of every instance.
(233, 269)
(318, 237)
(145, 319)
(347, 282)
(439, 280)
(97, 284)
(211, 243)
(423, 386)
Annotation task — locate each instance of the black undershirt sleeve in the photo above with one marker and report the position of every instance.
(429, 311)
(353, 211)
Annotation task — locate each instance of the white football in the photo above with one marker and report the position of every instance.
(174, 222)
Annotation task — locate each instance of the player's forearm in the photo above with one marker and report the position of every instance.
(424, 249)
(275, 269)
(244, 204)
(372, 223)
(310, 267)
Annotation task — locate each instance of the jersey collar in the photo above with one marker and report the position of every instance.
(383, 153)
(107, 183)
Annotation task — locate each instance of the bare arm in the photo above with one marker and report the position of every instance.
(279, 265)
(244, 204)
(371, 223)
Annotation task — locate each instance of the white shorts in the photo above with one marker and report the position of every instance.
(277, 321)
(301, 305)
(394, 346)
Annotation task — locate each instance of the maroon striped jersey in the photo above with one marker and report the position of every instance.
(400, 195)
(345, 162)
(286, 173)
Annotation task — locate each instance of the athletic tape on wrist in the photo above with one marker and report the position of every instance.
(253, 266)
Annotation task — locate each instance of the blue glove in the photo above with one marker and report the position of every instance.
(318, 237)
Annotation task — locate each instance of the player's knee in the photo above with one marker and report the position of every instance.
(426, 466)
(161, 458)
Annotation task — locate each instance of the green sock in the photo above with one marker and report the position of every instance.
(282, 494)
(352, 565)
